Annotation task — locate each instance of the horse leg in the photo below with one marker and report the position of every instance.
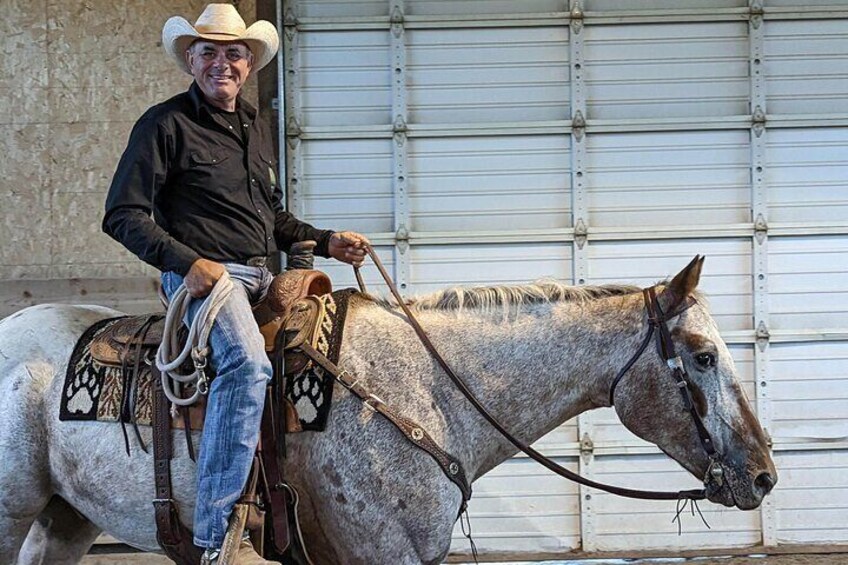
(24, 479)
(60, 536)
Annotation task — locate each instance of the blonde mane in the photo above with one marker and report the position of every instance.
(507, 296)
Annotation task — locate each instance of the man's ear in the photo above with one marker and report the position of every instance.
(682, 285)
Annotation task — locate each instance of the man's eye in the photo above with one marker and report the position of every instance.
(705, 360)
(208, 55)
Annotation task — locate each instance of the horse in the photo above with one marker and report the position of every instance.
(536, 355)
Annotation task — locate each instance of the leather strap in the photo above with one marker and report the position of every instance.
(451, 466)
(276, 490)
(175, 539)
(698, 494)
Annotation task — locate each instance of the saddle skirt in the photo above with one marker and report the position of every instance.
(109, 376)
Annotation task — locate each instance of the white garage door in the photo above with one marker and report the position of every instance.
(484, 141)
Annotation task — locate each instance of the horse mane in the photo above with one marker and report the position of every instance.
(490, 297)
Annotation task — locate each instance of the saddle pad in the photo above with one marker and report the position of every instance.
(310, 388)
(95, 391)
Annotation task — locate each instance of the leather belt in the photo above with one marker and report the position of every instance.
(255, 261)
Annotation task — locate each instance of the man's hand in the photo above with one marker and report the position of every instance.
(348, 247)
(202, 277)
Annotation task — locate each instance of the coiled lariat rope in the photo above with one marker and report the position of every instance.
(196, 344)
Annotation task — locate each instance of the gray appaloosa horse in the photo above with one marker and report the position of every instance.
(536, 355)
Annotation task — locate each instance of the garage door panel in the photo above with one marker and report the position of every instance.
(347, 185)
(809, 391)
(341, 8)
(692, 70)
(488, 75)
(806, 175)
(668, 179)
(726, 278)
(806, 64)
(618, 5)
(808, 476)
(807, 284)
(519, 506)
(345, 78)
(474, 7)
(468, 184)
(622, 524)
(435, 267)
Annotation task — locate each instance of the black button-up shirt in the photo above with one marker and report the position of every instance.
(212, 190)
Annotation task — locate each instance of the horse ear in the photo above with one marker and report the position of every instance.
(683, 284)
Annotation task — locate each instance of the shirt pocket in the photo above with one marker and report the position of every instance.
(211, 172)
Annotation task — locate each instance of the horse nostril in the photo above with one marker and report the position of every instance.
(764, 482)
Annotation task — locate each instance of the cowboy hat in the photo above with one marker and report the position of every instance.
(220, 22)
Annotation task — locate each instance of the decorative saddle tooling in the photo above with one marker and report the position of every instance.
(112, 376)
(109, 376)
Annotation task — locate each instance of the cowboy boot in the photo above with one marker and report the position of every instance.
(244, 555)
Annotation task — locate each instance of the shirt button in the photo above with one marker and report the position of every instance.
(253, 180)
(231, 127)
(245, 125)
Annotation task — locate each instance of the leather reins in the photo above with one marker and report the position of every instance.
(656, 319)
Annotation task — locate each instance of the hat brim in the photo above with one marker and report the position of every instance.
(261, 37)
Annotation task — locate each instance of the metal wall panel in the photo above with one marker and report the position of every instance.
(668, 178)
(342, 8)
(726, 277)
(345, 78)
(347, 182)
(483, 7)
(520, 506)
(806, 65)
(663, 71)
(810, 392)
(812, 500)
(623, 524)
(476, 184)
(641, 5)
(809, 278)
(434, 267)
(806, 175)
(488, 75)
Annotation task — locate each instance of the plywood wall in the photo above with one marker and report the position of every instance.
(75, 76)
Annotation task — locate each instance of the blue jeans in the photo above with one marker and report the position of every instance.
(235, 402)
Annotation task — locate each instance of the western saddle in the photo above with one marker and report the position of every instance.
(286, 314)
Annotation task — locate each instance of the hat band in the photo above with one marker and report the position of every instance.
(218, 31)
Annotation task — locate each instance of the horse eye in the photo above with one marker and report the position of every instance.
(705, 360)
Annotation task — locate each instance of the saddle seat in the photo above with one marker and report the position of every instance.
(121, 342)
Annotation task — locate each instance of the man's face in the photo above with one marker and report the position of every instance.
(220, 69)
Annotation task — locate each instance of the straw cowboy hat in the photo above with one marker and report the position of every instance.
(220, 22)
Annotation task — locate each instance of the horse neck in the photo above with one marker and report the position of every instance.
(532, 370)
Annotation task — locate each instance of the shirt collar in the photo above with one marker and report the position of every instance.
(200, 103)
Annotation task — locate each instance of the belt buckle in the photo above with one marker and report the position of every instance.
(256, 262)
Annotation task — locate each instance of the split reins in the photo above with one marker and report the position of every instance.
(656, 319)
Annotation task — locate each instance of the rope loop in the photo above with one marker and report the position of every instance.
(196, 345)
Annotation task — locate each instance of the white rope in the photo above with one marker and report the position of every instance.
(196, 344)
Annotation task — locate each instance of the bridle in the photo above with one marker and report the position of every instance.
(656, 319)
(665, 347)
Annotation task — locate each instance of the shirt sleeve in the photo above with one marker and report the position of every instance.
(141, 173)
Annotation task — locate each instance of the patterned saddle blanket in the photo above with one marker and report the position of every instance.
(94, 390)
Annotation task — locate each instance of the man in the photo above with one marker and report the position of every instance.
(202, 164)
